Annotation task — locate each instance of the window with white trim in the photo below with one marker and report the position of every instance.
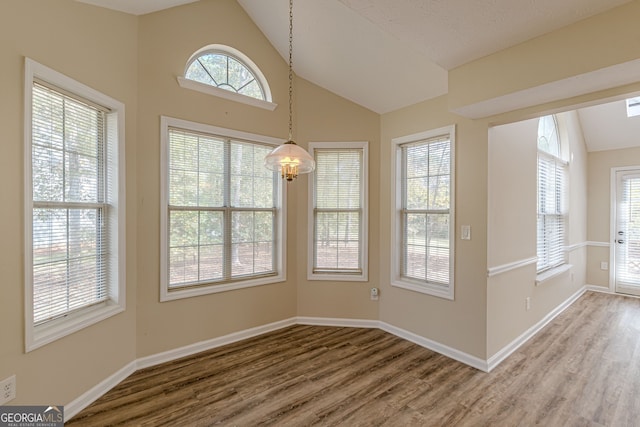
(552, 176)
(74, 197)
(633, 106)
(338, 216)
(423, 229)
(226, 72)
(221, 213)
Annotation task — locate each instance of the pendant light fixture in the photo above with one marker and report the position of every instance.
(290, 159)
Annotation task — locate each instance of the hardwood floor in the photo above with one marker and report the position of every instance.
(583, 369)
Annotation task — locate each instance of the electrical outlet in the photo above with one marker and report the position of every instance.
(374, 294)
(527, 303)
(604, 265)
(7, 389)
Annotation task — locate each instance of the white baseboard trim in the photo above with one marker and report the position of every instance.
(602, 289)
(93, 394)
(104, 386)
(327, 321)
(401, 333)
(450, 352)
(188, 350)
(506, 351)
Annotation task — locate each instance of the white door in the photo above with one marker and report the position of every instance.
(626, 238)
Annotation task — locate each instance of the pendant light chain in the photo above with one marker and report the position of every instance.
(290, 70)
(290, 159)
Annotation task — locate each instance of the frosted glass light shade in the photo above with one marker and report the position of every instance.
(290, 160)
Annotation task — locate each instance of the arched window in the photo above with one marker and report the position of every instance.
(226, 72)
(548, 139)
(552, 177)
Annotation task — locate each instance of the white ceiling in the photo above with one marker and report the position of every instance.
(137, 7)
(340, 50)
(453, 32)
(606, 126)
(403, 48)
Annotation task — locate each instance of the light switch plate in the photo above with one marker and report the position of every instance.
(466, 232)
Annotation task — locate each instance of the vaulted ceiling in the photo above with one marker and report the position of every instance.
(402, 48)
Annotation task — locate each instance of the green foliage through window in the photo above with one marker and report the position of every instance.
(70, 230)
(222, 210)
(426, 192)
(338, 210)
(226, 72)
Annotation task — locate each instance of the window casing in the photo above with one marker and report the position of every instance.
(633, 106)
(226, 72)
(221, 211)
(338, 212)
(74, 206)
(424, 212)
(551, 215)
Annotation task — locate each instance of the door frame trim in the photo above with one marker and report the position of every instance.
(613, 220)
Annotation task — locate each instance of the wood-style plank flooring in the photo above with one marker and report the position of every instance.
(583, 369)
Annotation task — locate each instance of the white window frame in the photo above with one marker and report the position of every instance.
(281, 235)
(397, 280)
(364, 223)
(185, 83)
(548, 272)
(633, 106)
(39, 335)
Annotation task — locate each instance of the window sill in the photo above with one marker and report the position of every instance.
(338, 277)
(550, 274)
(59, 328)
(445, 292)
(194, 291)
(221, 93)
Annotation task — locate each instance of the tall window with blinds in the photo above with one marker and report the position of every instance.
(424, 224)
(551, 215)
(74, 206)
(338, 216)
(70, 230)
(222, 210)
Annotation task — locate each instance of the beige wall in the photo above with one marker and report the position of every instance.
(512, 228)
(319, 116)
(167, 40)
(512, 182)
(599, 206)
(138, 64)
(325, 117)
(594, 43)
(70, 38)
(460, 323)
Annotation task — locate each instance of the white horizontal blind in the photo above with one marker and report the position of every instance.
(338, 210)
(551, 212)
(222, 210)
(426, 191)
(70, 229)
(628, 245)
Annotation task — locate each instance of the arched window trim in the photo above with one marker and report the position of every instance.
(554, 234)
(558, 139)
(222, 93)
